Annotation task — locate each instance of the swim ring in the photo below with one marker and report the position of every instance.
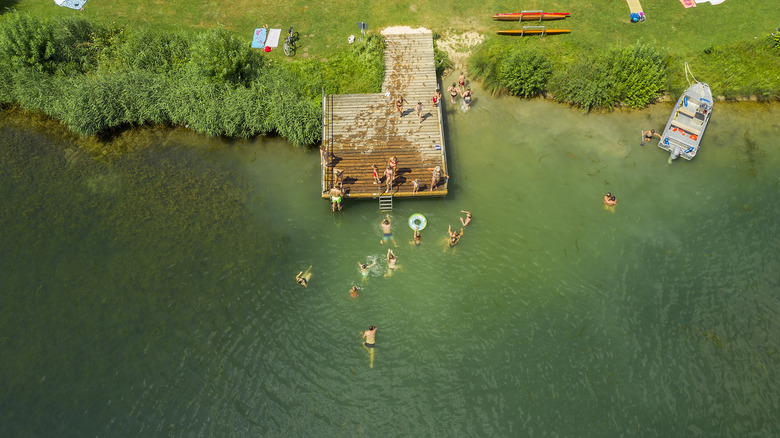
(417, 222)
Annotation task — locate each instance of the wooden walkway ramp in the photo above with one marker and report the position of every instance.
(364, 129)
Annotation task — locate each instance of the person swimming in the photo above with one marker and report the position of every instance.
(391, 262)
(354, 291)
(454, 236)
(364, 269)
(468, 218)
(303, 277)
(416, 237)
(387, 233)
(610, 200)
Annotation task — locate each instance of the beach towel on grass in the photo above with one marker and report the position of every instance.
(258, 40)
(688, 3)
(73, 4)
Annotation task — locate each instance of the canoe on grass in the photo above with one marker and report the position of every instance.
(531, 16)
(533, 31)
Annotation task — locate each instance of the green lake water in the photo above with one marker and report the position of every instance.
(153, 294)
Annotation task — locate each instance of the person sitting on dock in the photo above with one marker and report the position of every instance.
(335, 199)
(436, 173)
(468, 218)
(436, 96)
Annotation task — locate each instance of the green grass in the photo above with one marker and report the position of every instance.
(325, 26)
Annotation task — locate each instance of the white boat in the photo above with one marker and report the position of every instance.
(688, 121)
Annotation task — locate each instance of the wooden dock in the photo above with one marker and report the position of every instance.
(364, 129)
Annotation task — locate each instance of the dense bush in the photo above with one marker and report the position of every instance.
(485, 62)
(96, 78)
(525, 72)
(633, 76)
(440, 57)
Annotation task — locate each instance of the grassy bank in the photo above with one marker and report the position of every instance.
(188, 63)
(325, 26)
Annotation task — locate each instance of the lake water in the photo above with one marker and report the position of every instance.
(153, 293)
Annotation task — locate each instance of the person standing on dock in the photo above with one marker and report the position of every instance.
(415, 186)
(375, 172)
(338, 177)
(389, 178)
(437, 173)
(419, 111)
(399, 105)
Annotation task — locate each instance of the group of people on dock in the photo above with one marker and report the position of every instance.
(388, 178)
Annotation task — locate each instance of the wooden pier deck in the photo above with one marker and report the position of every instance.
(364, 129)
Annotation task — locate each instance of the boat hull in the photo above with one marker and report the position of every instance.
(520, 32)
(690, 116)
(531, 16)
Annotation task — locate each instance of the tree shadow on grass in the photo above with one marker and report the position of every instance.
(7, 5)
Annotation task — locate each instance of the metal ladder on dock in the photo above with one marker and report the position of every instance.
(386, 202)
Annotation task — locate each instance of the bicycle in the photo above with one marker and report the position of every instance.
(289, 42)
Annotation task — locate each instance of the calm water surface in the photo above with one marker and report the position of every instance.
(153, 294)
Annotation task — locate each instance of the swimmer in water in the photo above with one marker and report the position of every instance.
(364, 269)
(391, 262)
(354, 291)
(454, 236)
(303, 277)
(387, 233)
(369, 335)
(468, 218)
(416, 237)
(610, 201)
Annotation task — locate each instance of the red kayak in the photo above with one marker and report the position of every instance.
(533, 32)
(531, 16)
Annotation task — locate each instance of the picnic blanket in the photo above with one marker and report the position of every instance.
(73, 4)
(258, 40)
